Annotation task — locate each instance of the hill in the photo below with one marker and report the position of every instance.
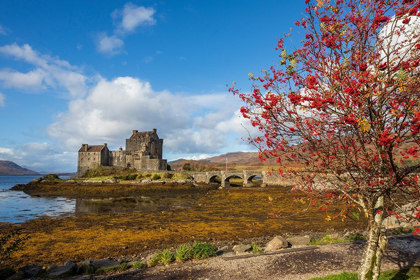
(11, 168)
(244, 160)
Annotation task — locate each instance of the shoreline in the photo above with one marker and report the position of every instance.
(179, 213)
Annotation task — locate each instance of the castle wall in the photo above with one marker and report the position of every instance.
(87, 160)
(117, 159)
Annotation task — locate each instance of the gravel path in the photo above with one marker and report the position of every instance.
(403, 251)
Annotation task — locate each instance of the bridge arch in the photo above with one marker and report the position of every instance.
(215, 178)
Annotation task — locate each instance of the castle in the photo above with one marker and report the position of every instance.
(143, 152)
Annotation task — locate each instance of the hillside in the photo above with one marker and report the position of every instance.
(11, 168)
(247, 160)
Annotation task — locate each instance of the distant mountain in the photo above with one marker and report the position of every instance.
(11, 168)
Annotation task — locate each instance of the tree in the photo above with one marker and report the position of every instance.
(345, 107)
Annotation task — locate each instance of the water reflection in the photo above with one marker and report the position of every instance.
(127, 205)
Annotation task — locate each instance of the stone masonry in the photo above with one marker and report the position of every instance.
(143, 152)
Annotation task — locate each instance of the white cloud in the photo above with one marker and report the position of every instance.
(6, 151)
(29, 80)
(4, 30)
(2, 99)
(110, 45)
(148, 59)
(41, 156)
(114, 108)
(132, 16)
(49, 72)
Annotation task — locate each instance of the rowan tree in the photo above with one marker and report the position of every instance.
(345, 107)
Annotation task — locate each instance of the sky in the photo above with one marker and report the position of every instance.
(75, 72)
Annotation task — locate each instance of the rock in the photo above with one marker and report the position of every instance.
(222, 250)
(299, 241)
(111, 181)
(70, 182)
(146, 181)
(17, 276)
(36, 180)
(104, 263)
(30, 271)
(6, 272)
(276, 243)
(67, 269)
(86, 267)
(239, 249)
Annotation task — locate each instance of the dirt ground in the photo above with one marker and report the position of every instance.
(403, 252)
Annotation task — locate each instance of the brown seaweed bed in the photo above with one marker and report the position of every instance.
(139, 219)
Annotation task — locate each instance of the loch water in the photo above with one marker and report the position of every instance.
(18, 207)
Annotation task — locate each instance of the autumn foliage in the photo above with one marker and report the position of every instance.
(345, 105)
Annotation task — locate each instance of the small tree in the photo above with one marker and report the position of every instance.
(345, 108)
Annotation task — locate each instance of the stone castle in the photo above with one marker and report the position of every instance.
(143, 152)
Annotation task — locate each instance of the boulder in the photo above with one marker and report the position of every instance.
(30, 271)
(104, 263)
(299, 241)
(239, 249)
(276, 243)
(67, 269)
(17, 276)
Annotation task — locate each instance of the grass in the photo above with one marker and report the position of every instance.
(332, 240)
(412, 273)
(183, 253)
(138, 265)
(199, 250)
(255, 249)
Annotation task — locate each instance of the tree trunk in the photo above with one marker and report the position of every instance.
(376, 244)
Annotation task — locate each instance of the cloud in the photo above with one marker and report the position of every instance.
(4, 30)
(148, 59)
(114, 108)
(2, 99)
(132, 16)
(127, 21)
(40, 156)
(110, 45)
(49, 72)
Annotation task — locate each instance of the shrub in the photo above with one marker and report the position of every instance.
(166, 257)
(156, 177)
(167, 175)
(255, 248)
(184, 253)
(202, 250)
(154, 260)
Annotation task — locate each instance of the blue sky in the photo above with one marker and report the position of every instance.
(74, 72)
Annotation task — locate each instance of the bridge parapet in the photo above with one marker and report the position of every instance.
(246, 175)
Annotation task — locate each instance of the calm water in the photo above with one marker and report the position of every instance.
(17, 207)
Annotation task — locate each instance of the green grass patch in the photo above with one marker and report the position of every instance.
(255, 249)
(183, 253)
(332, 240)
(138, 265)
(203, 250)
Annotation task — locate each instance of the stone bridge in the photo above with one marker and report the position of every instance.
(246, 175)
